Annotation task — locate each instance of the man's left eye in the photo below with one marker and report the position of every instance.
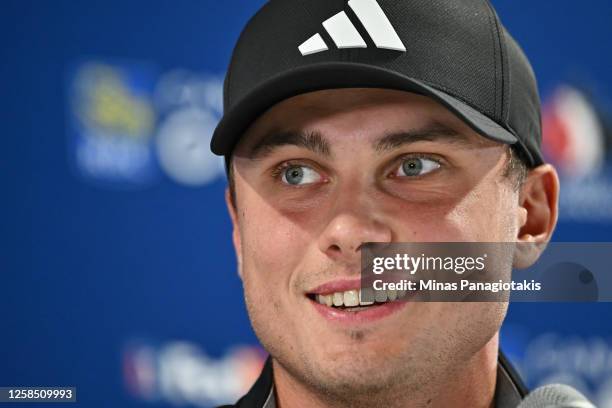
(296, 175)
(416, 166)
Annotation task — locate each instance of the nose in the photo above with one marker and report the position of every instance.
(352, 224)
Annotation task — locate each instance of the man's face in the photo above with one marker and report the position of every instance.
(321, 173)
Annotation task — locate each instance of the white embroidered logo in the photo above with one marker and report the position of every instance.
(345, 35)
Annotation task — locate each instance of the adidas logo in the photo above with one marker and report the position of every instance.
(345, 35)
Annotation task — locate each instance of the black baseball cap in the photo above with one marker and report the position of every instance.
(456, 52)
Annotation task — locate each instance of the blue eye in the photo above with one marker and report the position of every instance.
(416, 166)
(299, 175)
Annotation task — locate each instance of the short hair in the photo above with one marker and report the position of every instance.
(517, 167)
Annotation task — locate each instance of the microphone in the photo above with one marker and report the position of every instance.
(555, 396)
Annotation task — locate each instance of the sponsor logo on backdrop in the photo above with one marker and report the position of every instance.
(131, 127)
(578, 141)
(190, 106)
(112, 122)
(583, 363)
(181, 373)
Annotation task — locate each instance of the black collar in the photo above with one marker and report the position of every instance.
(259, 392)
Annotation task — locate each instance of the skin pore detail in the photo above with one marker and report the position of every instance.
(319, 174)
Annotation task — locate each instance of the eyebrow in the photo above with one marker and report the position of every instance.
(313, 141)
(436, 132)
(316, 142)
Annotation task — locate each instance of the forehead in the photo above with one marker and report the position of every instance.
(355, 115)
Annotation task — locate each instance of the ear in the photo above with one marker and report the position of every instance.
(235, 230)
(537, 216)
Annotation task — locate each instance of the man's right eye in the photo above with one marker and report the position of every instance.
(296, 175)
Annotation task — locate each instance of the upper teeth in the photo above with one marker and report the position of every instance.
(351, 298)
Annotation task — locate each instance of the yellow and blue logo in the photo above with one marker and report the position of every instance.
(113, 121)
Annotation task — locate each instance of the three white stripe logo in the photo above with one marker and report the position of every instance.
(345, 35)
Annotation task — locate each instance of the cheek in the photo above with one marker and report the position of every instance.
(470, 325)
(472, 212)
(272, 247)
(442, 220)
(485, 214)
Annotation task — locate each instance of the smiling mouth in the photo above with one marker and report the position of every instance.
(353, 300)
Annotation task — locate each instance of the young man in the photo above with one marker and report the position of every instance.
(389, 121)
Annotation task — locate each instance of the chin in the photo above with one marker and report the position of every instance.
(359, 377)
(364, 368)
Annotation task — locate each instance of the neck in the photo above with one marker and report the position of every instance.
(473, 385)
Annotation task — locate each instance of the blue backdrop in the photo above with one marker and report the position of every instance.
(118, 275)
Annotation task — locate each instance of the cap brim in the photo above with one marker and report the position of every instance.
(333, 75)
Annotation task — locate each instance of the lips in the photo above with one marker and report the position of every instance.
(346, 302)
